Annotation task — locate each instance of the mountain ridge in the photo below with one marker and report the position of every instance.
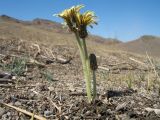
(47, 31)
(145, 44)
(50, 23)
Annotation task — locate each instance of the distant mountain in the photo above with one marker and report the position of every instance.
(39, 23)
(9, 19)
(47, 32)
(51, 33)
(146, 43)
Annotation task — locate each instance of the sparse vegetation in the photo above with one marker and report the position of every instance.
(142, 76)
(129, 80)
(47, 75)
(17, 66)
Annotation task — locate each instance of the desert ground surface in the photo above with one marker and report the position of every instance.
(41, 73)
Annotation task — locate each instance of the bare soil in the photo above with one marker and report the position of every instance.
(56, 90)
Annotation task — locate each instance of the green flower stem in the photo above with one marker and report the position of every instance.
(87, 61)
(88, 70)
(86, 65)
(94, 84)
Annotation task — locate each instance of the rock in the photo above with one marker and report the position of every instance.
(72, 88)
(8, 113)
(42, 87)
(76, 118)
(156, 106)
(121, 106)
(32, 95)
(5, 75)
(132, 103)
(67, 117)
(1, 97)
(110, 111)
(157, 111)
(51, 88)
(123, 117)
(88, 113)
(2, 111)
(105, 101)
(17, 103)
(132, 114)
(13, 98)
(99, 115)
(47, 113)
(6, 116)
(149, 109)
(141, 103)
(14, 78)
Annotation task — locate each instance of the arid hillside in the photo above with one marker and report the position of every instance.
(149, 44)
(47, 32)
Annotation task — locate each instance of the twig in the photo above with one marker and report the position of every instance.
(139, 62)
(22, 86)
(25, 112)
(79, 94)
(59, 59)
(91, 117)
(6, 85)
(2, 55)
(103, 68)
(117, 64)
(9, 86)
(38, 50)
(63, 61)
(3, 80)
(25, 100)
(54, 104)
(10, 55)
(33, 61)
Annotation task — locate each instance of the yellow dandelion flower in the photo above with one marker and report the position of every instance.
(76, 21)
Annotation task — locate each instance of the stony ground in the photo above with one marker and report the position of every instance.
(39, 82)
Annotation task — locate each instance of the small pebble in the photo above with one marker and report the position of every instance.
(121, 106)
(155, 106)
(88, 113)
(17, 103)
(157, 111)
(47, 113)
(2, 111)
(9, 113)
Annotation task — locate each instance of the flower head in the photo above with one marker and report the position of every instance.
(84, 20)
(78, 22)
